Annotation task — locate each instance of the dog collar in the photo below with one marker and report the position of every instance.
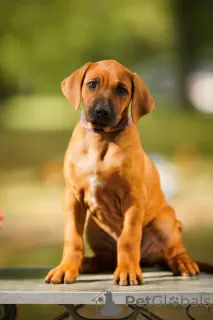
(126, 124)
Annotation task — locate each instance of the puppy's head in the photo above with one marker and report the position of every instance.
(106, 89)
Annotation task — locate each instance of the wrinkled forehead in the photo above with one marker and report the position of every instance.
(109, 74)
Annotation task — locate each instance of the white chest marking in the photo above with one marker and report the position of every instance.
(94, 184)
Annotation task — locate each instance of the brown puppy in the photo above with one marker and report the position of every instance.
(111, 180)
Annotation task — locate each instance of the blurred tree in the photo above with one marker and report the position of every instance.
(43, 41)
(6, 87)
(193, 30)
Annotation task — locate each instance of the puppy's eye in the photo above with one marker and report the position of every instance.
(121, 91)
(92, 85)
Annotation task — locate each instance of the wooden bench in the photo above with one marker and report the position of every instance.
(26, 286)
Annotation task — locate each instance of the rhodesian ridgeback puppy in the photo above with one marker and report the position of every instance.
(112, 188)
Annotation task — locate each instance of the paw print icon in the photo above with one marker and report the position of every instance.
(174, 301)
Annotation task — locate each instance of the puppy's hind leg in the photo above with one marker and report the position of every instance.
(169, 231)
(103, 247)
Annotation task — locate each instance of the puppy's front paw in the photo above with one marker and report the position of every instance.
(128, 275)
(64, 273)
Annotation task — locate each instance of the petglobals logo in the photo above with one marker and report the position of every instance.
(105, 305)
(164, 300)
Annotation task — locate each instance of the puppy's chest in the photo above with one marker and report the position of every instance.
(101, 182)
(95, 192)
(96, 167)
(104, 203)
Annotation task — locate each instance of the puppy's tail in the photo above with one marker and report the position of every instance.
(205, 267)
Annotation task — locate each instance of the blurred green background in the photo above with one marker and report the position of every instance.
(168, 43)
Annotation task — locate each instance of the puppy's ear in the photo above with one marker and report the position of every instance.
(142, 102)
(71, 86)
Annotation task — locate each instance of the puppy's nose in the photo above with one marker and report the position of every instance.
(102, 112)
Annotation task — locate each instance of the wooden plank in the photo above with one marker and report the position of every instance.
(26, 286)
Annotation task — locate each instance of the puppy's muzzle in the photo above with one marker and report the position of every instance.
(101, 114)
